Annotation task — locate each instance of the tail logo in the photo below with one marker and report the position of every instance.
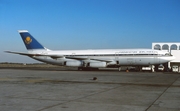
(28, 40)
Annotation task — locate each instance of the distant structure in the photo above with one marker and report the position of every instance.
(174, 49)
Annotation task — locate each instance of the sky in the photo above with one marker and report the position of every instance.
(87, 24)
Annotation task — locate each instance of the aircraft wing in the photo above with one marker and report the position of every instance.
(88, 58)
(77, 58)
(102, 60)
(28, 54)
(59, 56)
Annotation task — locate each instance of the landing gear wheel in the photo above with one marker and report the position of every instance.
(119, 69)
(152, 68)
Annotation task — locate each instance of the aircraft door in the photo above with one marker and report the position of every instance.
(117, 57)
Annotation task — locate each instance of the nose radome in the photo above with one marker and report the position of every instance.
(173, 57)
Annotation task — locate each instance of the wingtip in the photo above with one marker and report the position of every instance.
(6, 51)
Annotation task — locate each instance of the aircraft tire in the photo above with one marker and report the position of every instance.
(119, 69)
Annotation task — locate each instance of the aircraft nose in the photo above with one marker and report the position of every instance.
(173, 57)
(167, 58)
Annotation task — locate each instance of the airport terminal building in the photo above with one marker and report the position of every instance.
(174, 49)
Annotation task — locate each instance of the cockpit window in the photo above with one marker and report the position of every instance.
(167, 54)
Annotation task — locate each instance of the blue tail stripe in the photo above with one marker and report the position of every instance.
(30, 42)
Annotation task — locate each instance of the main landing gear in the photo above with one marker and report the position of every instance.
(119, 68)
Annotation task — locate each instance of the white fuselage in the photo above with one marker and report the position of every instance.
(103, 58)
(87, 59)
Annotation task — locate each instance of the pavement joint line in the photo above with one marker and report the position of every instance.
(31, 98)
(162, 93)
(80, 98)
(42, 80)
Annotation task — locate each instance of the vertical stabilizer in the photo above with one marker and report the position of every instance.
(29, 41)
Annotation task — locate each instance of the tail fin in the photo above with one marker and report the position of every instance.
(29, 41)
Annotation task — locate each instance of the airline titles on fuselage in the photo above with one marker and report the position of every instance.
(137, 52)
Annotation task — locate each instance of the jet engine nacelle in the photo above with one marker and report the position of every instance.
(73, 63)
(97, 64)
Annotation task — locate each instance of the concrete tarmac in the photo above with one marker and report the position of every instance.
(71, 90)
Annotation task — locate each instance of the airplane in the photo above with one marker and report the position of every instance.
(93, 59)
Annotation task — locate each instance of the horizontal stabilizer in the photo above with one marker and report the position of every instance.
(21, 53)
